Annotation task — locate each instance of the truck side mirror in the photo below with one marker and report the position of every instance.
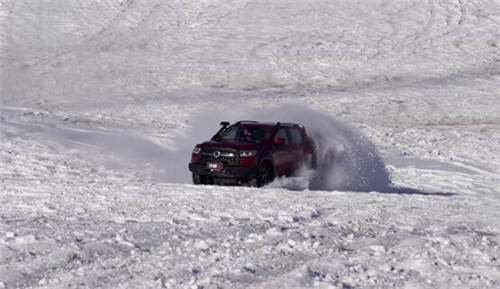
(224, 123)
(279, 141)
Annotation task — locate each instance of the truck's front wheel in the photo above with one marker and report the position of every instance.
(265, 174)
(200, 180)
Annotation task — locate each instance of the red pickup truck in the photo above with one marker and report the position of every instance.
(251, 152)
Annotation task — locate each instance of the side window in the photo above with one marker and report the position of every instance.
(295, 136)
(282, 134)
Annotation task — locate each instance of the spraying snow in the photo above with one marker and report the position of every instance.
(346, 159)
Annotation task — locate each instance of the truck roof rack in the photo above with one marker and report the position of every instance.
(288, 124)
(247, 121)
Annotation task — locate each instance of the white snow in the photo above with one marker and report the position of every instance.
(102, 102)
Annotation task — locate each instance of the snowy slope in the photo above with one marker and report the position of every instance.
(102, 102)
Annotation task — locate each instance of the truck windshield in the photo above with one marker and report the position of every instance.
(253, 134)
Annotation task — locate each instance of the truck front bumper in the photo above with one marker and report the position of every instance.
(238, 174)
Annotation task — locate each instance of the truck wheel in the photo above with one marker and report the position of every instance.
(265, 174)
(200, 180)
(196, 179)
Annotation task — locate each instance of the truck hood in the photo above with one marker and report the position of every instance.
(232, 145)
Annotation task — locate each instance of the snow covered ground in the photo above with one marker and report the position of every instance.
(102, 102)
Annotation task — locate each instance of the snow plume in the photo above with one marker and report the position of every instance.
(346, 159)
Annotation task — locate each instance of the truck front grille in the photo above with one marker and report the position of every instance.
(228, 157)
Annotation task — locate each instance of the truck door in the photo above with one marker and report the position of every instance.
(281, 154)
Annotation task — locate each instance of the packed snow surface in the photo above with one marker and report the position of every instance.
(102, 102)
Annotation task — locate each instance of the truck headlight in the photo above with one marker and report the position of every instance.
(245, 154)
(196, 150)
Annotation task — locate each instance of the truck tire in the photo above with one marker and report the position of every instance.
(265, 174)
(200, 180)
